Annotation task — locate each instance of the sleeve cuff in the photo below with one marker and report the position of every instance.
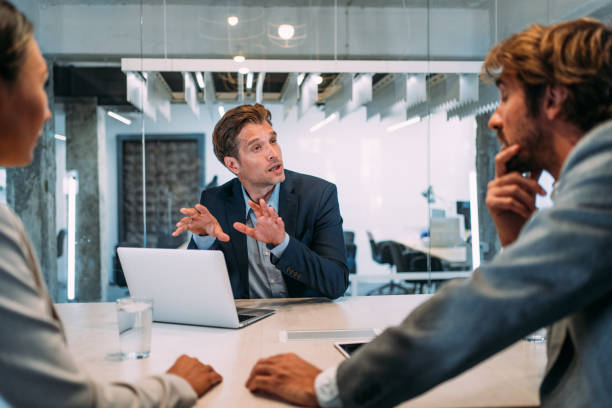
(326, 389)
(278, 250)
(203, 242)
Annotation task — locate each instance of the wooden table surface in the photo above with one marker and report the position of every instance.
(509, 379)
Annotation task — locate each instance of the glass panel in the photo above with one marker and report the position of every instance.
(383, 172)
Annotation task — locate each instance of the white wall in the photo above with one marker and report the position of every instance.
(379, 175)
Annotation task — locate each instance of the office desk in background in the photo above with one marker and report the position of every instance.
(511, 378)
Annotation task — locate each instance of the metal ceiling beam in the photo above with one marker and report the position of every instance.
(298, 66)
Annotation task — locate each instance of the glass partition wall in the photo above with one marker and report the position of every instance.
(381, 98)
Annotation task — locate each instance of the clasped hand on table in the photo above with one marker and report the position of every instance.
(270, 227)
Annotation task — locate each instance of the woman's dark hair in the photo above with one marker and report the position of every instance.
(15, 32)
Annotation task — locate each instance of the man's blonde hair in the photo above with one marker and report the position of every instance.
(576, 54)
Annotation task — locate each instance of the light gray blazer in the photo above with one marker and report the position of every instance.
(36, 368)
(558, 272)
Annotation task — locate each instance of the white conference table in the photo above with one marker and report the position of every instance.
(509, 379)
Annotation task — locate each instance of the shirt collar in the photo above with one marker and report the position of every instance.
(272, 202)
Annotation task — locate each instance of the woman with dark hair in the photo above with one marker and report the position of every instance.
(35, 365)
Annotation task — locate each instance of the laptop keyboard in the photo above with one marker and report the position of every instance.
(243, 317)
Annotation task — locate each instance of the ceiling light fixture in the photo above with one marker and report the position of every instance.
(119, 118)
(200, 80)
(243, 70)
(286, 31)
(324, 122)
(239, 59)
(221, 110)
(60, 137)
(318, 79)
(249, 81)
(232, 20)
(405, 123)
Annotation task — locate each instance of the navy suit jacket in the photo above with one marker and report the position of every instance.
(314, 262)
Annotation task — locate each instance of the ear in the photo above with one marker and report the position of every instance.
(232, 164)
(554, 97)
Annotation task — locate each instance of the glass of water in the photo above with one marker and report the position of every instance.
(135, 318)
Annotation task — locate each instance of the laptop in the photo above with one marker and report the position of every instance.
(187, 286)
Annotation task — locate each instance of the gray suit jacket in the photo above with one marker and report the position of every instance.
(36, 368)
(558, 272)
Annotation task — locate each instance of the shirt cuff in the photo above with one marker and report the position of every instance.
(326, 388)
(203, 242)
(278, 250)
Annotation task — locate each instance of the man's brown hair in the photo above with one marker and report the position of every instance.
(225, 135)
(576, 54)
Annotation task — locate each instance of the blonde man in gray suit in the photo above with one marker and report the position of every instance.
(36, 367)
(555, 269)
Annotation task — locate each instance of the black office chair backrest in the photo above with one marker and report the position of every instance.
(419, 263)
(349, 237)
(351, 257)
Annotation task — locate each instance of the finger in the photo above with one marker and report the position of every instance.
(240, 227)
(203, 210)
(514, 191)
(257, 209)
(219, 234)
(509, 204)
(189, 211)
(503, 157)
(262, 383)
(179, 231)
(514, 178)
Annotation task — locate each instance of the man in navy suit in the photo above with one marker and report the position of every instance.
(280, 231)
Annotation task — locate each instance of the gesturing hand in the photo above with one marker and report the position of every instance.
(286, 376)
(200, 221)
(270, 228)
(511, 197)
(200, 376)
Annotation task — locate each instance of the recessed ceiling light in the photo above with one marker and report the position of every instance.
(239, 58)
(286, 31)
(243, 70)
(232, 20)
(318, 79)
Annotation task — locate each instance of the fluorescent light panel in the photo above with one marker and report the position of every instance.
(60, 137)
(324, 122)
(475, 231)
(200, 80)
(403, 124)
(119, 118)
(249, 80)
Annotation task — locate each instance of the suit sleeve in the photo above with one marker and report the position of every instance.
(322, 265)
(36, 366)
(559, 265)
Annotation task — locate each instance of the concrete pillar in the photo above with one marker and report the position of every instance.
(83, 155)
(487, 147)
(30, 192)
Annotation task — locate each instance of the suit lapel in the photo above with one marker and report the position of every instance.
(235, 210)
(288, 205)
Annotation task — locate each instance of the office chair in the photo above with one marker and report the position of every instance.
(351, 251)
(389, 252)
